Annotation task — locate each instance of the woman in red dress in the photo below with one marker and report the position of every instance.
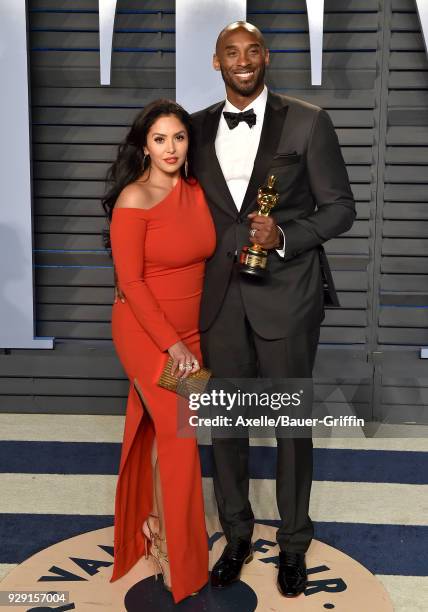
(161, 233)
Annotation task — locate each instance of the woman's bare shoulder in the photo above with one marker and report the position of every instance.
(134, 195)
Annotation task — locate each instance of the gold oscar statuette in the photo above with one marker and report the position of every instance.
(253, 258)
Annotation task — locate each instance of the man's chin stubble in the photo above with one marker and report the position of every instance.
(243, 91)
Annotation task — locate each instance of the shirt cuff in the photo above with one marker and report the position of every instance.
(281, 252)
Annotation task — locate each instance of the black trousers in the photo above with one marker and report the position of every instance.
(232, 349)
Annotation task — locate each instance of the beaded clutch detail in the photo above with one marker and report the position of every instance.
(194, 383)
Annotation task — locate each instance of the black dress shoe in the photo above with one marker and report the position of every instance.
(292, 575)
(228, 567)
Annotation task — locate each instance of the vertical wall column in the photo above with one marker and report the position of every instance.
(16, 239)
(106, 16)
(315, 10)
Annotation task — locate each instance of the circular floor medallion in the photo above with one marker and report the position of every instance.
(82, 566)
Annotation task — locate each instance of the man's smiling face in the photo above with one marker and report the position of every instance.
(242, 59)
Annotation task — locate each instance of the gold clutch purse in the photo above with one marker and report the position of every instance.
(194, 383)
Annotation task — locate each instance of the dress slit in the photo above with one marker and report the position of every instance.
(165, 455)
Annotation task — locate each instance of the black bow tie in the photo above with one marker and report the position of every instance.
(232, 119)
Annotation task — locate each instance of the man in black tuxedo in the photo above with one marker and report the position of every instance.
(269, 329)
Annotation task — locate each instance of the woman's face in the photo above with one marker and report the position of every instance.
(167, 143)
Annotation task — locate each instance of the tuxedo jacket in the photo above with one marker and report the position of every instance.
(298, 144)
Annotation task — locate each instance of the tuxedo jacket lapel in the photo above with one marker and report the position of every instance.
(275, 114)
(212, 178)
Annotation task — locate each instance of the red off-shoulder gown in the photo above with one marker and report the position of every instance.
(159, 255)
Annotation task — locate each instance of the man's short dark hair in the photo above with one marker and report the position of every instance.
(236, 25)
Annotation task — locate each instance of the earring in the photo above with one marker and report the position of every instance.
(186, 168)
(144, 160)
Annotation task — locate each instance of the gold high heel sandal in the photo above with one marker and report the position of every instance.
(161, 557)
(155, 551)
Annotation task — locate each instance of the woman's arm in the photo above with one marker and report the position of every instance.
(127, 234)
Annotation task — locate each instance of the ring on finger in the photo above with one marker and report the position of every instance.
(181, 366)
(189, 366)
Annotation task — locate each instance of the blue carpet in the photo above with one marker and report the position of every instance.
(383, 549)
(22, 535)
(338, 465)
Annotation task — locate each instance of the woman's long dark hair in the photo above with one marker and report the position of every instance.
(128, 165)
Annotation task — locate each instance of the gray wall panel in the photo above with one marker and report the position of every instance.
(403, 289)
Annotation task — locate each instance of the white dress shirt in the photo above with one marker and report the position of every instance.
(236, 149)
